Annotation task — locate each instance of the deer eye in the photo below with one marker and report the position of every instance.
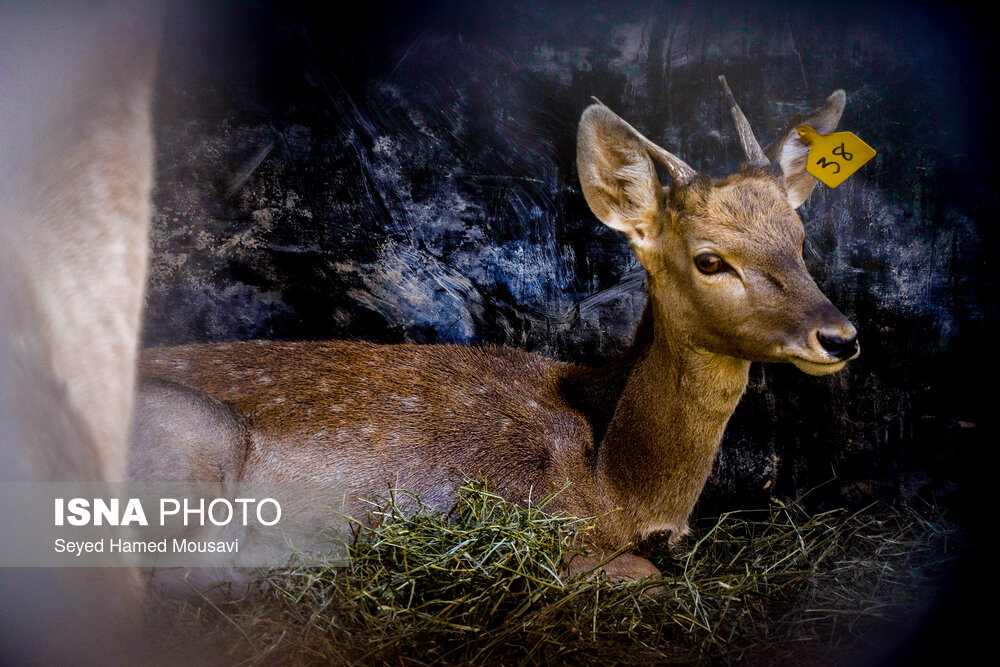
(709, 263)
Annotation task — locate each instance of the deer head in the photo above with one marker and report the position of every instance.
(723, 257)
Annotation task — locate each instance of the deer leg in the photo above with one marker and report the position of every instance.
(181, 434)
(622, 568)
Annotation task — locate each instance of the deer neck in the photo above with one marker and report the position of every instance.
(660, 441)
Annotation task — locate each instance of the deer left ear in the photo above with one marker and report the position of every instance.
(790, 152)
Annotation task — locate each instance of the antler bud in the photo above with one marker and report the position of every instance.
(755, 155)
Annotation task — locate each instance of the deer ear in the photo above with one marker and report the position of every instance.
(790, 152)
(617, 174)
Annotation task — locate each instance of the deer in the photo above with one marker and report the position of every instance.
(631, 442)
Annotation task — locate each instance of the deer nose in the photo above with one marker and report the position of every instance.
(839, 342)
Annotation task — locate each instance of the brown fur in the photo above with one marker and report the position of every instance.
(636, 440)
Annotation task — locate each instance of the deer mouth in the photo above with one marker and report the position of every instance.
(812, 367)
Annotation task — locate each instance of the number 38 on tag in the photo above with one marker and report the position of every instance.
(834, 157)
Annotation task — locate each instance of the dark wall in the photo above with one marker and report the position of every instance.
(407, 174)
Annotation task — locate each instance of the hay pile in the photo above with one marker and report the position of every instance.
(484, 587)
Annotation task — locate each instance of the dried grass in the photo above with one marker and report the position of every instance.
(484, 586)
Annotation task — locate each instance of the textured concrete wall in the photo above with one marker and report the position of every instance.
(408, 173)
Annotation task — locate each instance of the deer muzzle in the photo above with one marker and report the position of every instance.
(830, 345)
(838, 343)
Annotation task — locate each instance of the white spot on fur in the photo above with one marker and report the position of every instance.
(411, 402)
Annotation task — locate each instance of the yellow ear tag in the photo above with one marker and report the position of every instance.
(833, 158)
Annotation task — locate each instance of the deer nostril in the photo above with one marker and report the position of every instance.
(838, 346)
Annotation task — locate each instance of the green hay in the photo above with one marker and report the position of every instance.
(484, 586)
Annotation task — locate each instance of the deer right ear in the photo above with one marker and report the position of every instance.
(618, 176)
(791, 152)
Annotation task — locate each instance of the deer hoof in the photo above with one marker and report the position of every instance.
(624, 568)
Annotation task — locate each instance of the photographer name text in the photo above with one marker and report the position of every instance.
(115, 545)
